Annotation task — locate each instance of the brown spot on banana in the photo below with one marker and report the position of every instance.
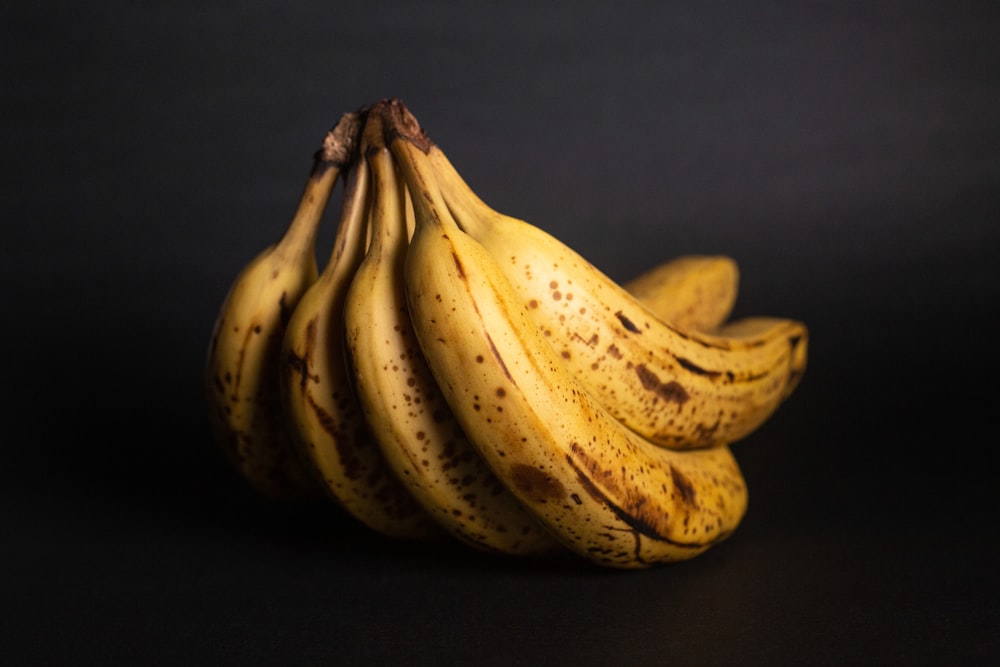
(458, 266)
(671, 391)
(536, 484)
(300, 363)
(499, 358)
(689, 365)
(627, 323)
(240, 359)
(707, 433)
(684, 487)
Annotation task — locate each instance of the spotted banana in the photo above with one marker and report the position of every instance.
(603, 491)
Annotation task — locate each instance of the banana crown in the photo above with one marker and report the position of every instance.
(455, 371)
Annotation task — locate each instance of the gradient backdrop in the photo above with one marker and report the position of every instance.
(847, 154)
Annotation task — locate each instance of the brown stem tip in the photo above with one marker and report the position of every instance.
(399, 122)
(341, 143)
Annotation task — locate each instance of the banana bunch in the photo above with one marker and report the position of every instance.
(457, 372)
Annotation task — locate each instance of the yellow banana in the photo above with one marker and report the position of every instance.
(691, 292)
(676, 387)
(242, 365)
(327, 423)
(420, 438)
(606, 493)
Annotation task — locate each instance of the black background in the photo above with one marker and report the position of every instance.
(847, 154)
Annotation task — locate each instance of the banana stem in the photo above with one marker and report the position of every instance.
(336, 155)
(433, 166)
(410, 147)
(472, 214)
(399, 122)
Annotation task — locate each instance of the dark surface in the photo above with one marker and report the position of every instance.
(846, 154)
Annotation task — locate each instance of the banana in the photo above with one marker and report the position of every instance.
(676, 387)
(607, 494)
(242, 359)
(327, 422)
(690, 292)
(420, 438)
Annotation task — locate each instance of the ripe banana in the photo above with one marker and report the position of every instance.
(242, 360)
(692, 292)
(420, 438)
(606, 493)
(676, 387)
(327, 423)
